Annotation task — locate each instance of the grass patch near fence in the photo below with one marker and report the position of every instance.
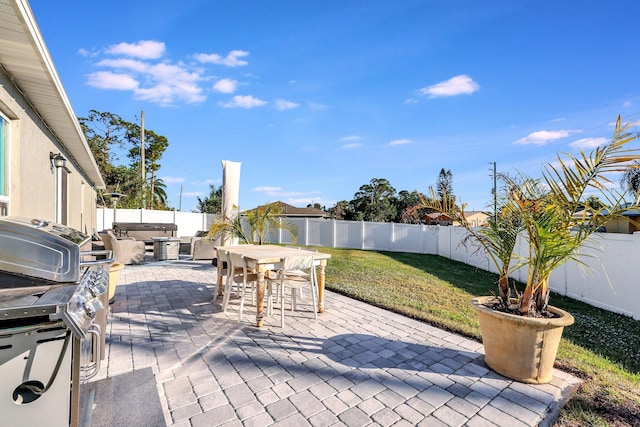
(602, 348)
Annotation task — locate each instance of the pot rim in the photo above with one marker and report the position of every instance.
(565, 319)
(116, 266)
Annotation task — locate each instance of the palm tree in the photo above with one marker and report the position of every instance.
(261, 221)
(159, 193)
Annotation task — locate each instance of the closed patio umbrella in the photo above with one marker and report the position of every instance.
(230, 194)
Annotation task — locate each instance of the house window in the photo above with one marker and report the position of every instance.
(4, 163)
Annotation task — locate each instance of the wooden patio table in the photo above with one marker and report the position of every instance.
(264, 258)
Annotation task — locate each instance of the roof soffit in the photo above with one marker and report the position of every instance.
(25, 57)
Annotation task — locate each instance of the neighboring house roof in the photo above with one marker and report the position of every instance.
(476, 218)
(475, 213)
(627, 212)
(292, 211)
(436, 215)
(24, 56)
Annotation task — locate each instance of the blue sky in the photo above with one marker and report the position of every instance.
(316, 98)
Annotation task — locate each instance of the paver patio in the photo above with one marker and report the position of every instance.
(357, 365)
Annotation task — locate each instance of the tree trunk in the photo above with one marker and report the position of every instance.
(503, 286)
(153, 184)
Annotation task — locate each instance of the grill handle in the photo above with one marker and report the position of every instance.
(88, 263)
(92, 368)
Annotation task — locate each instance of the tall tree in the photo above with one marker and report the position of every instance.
(155, 145)
(405, 206)
(444, 184)
(374, 202)
(104, 131)
(340, 210)
(631, 178)
(213, 202)
(126, 181)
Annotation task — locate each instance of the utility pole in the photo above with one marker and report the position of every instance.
(180, 202)
(495, 192)
(144, 175)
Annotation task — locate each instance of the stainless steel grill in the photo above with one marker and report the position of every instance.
(48, 286)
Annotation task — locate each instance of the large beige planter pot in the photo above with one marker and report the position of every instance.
(114, 273)
(520, 348)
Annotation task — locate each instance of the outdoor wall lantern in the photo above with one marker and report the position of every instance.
(114, 200)
(57, 161)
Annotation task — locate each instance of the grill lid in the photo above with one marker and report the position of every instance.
(42, 249)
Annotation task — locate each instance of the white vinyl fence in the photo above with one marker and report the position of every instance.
(607, 280)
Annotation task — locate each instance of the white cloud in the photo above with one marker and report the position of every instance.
(267, 189)
(168, 72)
(283, 104)
(139, 68)
(123, 63)
(167, 94)
(458, 85)
(88, 53)
(588, 143)
(411, 101)
(276, 192)
(173, 179)
(162, 83)
(628, 104)
(144, 49)
(559, 119)
(316, 106)
(351, 138)
(244, 101)
(303, 202)
(110, 80)
(400, 142)
(231, 60)
(225, 86)
(172, 83)
(208, 182)
(544, 137)
(352, 145)
(283, 194)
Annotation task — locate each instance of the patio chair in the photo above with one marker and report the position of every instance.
(202, 247)
(241, 276)
(125, 251)
(289, 277)
(298, 272)
(185, 245)
(223, 263)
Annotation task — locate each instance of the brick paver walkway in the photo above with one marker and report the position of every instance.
(357, 365)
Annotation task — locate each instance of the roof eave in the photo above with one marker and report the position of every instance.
(31, 67)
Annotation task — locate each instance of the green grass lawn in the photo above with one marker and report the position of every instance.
(601, 348)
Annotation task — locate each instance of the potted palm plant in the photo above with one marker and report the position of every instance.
(556, 218)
